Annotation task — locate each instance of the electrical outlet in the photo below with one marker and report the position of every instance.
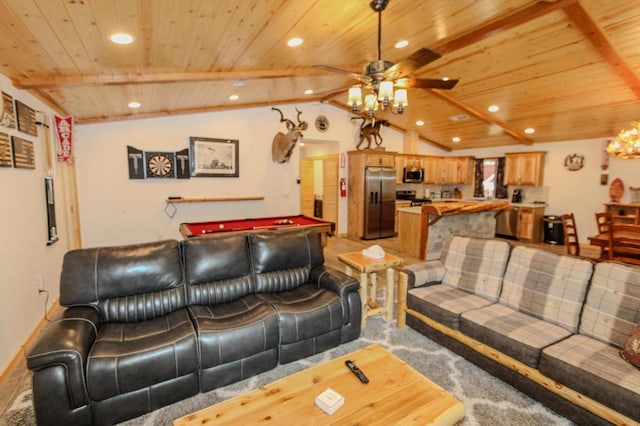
(39, 284)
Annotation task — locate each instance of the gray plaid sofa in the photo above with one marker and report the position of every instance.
(548, 324)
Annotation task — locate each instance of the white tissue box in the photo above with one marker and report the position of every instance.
(374, 252)
(329, 401)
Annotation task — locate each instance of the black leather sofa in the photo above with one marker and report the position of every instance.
(150, 324)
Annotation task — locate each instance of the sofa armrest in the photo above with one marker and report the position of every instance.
(334, 280)
(424, 273)
(339, 283)
(67, 342)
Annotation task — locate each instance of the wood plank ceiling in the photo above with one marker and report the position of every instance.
(567, 68)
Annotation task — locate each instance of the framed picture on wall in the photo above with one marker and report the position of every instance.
(211, 157)
(26, 119)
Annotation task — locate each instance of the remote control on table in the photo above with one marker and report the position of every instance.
(355, 370)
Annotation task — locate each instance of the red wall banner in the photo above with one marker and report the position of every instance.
(64, 132)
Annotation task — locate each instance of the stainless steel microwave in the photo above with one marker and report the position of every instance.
(412, 175)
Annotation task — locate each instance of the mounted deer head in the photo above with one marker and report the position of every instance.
(283, 144)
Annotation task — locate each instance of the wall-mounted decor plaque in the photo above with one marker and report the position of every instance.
(26, 119)
(23, 154)
(5, 150)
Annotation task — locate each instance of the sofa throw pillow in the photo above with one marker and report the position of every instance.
(631, 350)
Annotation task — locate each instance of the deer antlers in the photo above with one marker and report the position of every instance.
(283, 144)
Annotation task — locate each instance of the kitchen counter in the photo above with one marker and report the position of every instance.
(423, 230)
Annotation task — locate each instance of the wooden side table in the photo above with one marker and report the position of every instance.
(368, 267)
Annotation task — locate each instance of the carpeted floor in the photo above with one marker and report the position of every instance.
(488, 400)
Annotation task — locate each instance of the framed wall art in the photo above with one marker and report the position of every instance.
(213, 157)
(23, 154)
(5, 150)
(8, 114)
(26, 119)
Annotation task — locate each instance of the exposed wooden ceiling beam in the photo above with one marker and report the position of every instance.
(393, 126)
(481, 115)
(155, 114)
(51, 82)
(499, 25)
(592, 32)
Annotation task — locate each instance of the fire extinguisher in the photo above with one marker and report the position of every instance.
(343, 188)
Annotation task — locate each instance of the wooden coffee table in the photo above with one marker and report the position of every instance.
(395, 394)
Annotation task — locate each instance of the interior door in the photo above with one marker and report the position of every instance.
(306, 186)
(330, 189)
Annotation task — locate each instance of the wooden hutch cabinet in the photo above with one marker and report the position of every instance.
(524, 168)
(624, 213)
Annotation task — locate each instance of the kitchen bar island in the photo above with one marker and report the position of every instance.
(423, 230)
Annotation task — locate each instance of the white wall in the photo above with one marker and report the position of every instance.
(24, 254)
(117, 210)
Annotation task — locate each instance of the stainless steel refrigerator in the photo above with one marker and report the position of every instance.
(380, 202)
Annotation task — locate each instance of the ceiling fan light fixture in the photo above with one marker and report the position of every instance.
(385, 93)
(370, 105)
(355, 98)
(400, 99)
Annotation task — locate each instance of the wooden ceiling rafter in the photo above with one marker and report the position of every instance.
(154, 114)
(52, 82)
(481, 115)
(583, 21)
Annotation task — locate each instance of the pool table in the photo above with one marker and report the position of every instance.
(215, 227)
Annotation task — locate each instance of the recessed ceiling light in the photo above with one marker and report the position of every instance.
(401, 44)
(445, 78)
(134, 104)
(494, 108)
(419, 123)
(121, 38)
(308, 92)
(455, 139)
(234, 97)
(529, 130)
(296, 41)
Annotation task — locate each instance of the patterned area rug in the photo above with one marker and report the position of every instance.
(488, 400)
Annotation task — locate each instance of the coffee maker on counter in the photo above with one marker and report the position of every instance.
(517, 196)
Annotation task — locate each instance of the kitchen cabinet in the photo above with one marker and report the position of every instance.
(400, 204)
(358, 161)
(530, 224)
(456, 170)
(524, 168)
(432, 169)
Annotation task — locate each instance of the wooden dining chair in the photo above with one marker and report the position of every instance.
(570, 235)
(603, 220)
(624, 248)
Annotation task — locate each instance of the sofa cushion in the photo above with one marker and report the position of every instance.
(151, 272)
(475, 265)
(612, 307)
(130, 356)
(235, 330)
(443, 303)
(511, 332)
(546, 285)
(282, 261)
(595, 369)
(217, 269)
(306, 312)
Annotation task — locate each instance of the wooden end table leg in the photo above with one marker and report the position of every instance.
(390, 299)
(402, 300)
(364, 297)
(373, 295)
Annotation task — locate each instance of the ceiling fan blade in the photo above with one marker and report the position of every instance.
(416, 60)
(353, 75)
(329, 93)
(427, 83)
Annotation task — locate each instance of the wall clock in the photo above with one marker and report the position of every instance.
(160, 164)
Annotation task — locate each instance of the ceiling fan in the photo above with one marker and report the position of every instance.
(379, 75)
